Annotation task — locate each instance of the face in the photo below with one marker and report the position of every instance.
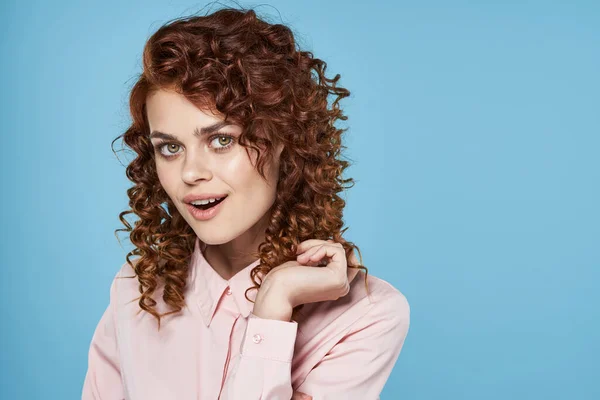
(211, 163)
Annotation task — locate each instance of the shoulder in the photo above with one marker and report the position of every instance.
(384, 298)
(125, 284)
(126, 273)
(125, 290)
(382, 305)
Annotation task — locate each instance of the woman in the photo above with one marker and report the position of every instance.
(247, 286)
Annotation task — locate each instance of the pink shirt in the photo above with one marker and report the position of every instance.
(218, 349)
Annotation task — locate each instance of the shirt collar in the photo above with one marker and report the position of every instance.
(210, 286)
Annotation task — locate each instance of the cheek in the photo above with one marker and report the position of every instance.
(238, 172)
(167, 180)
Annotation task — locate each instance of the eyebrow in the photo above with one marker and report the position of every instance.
(197, 132)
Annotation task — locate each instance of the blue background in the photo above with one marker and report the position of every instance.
(474, 131)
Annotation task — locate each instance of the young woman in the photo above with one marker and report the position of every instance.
(248, 289)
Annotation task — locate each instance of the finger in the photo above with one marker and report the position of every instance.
(315, 254)
(307, 244)
(336, 256)
(308, 254)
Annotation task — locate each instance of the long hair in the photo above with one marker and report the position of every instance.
(251, 72)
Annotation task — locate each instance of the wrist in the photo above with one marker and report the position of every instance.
(271, 303)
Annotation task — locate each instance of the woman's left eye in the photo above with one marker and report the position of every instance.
(215, 138)
(226, 145)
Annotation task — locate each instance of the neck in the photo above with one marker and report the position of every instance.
(229, 258)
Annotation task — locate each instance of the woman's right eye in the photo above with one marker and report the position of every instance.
(159, 146)
(230, 141)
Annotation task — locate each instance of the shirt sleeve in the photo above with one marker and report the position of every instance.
(358, 366)
(262, 370)
(103, 376)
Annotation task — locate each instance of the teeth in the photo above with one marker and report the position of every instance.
(203, 202)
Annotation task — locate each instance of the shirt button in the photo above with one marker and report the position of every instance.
(229, 291)
(257, 338)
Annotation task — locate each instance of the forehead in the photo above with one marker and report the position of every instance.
(168, 110)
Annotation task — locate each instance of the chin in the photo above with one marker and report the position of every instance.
(213, 239)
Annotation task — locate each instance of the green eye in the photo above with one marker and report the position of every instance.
(228, 140)
(224, 142)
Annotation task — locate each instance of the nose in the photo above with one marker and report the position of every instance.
(196, 166)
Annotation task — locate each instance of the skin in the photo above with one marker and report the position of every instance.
(197, 167)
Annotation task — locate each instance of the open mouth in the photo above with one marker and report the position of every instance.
(209, 205)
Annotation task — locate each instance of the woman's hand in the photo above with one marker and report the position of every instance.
(303, 281)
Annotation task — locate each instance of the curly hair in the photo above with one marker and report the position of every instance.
(249, 71)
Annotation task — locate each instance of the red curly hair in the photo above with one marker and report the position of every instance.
(249, 71)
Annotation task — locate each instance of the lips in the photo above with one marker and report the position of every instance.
(205, 215)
